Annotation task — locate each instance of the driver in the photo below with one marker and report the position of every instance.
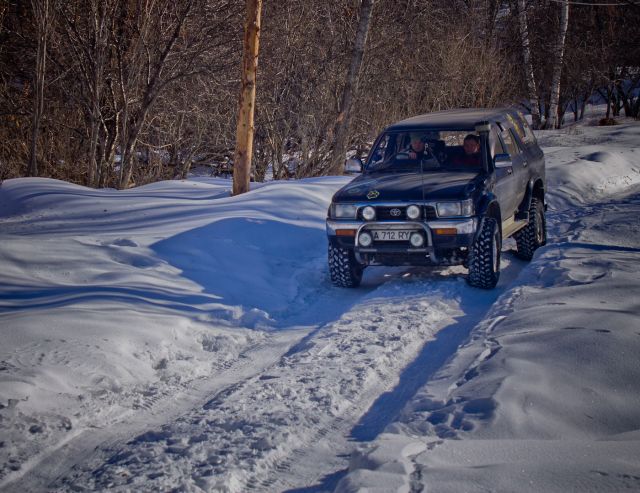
(416, 149)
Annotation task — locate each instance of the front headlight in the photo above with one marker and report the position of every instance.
(455, 209)
(343, 211)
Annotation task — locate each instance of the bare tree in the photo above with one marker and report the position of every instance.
(342, 123)
(148, 73)
(553, 121)
(532, 89)
(41, 14)
(87, 26)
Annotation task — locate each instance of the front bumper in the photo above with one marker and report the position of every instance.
(465, 230)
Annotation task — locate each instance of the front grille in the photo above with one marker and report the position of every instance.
(385, 213)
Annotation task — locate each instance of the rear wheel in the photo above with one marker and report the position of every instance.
(345, 270)
(484, 256)
(534, 234)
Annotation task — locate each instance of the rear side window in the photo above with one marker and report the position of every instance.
(529, 138)
(509, 144)
(522, 130)
(496, 143)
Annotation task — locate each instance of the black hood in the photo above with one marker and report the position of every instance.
(408, 187)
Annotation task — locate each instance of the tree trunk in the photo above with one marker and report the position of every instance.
(41, 13)
(635, 107)
(616, 101)
(552, 121)
(583, 105)
(98, 57)
(246, 106)
(92, 177)
(528, 65)
(341, 128)
(107, 153)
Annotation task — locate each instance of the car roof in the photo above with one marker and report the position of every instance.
(458, 119)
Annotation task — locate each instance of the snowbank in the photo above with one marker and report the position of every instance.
(110, 301)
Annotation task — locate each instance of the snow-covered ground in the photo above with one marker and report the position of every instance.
(545, 395)
(174, 337)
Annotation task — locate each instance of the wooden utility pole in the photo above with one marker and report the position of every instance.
(246, 106)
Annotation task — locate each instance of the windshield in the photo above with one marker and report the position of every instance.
(425, 151)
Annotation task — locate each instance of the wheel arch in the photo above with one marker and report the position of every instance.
(489, 207)
(535, 189)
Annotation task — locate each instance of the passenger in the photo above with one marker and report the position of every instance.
(471, 156)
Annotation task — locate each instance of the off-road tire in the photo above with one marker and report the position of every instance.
(534, 234)
(345, 271)
(484, 256)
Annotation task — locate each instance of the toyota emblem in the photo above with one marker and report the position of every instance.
(395, 212)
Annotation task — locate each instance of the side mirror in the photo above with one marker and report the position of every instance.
(503, 161)
(353, 165)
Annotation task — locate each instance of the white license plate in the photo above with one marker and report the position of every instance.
(391, 235)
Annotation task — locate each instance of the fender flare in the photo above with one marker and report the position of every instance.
(488, 207)
(535, 184)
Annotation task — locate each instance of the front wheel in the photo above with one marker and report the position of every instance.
(534, 234)
(484, 256)
(345, 270)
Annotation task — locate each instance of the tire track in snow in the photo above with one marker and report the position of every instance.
(93, 445)
(270, 431)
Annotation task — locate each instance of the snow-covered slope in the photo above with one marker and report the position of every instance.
(172, 336)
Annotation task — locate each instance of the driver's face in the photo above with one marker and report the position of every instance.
(417, 145)
(471, 146)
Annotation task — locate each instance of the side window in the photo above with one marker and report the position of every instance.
(529, 138)
(496, 143)
(518, 143)
(516, 125)
(381, 151)
(509, 143)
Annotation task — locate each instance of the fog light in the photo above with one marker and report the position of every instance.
(416, 240)
(365, 239)
(369, 213)
(413, 212)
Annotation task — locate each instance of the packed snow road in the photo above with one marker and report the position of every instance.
(291, 422)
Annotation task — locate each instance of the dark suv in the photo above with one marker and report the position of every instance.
(441, 189)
